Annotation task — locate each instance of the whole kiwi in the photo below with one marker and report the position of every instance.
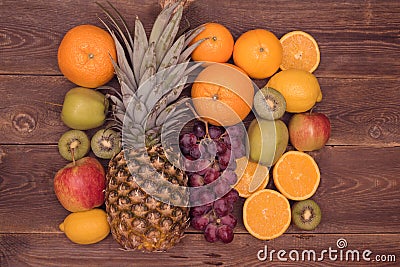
(73, 145)
(269, 104)
(106, 143)
(306, 214)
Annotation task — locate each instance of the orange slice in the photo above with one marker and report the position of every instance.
(266, 214)
(300, 51)
(252, 177)
(296, 175)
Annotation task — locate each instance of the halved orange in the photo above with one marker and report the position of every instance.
(296, 175)
(300, 51)
(266, 214)
(252, 177)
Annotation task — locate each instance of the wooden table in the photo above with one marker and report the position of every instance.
(359, 76)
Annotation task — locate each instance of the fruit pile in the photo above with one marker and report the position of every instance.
(80, 185)
(223, 159)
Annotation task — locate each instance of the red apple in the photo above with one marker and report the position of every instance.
(309, 131)
(80, 185)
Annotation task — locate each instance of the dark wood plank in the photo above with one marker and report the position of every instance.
(358, 191)
(364, 43)
(57, 250)
(30, 111)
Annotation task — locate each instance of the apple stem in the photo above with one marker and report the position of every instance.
(311, 110)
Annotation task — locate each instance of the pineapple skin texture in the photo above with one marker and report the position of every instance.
(137, 220)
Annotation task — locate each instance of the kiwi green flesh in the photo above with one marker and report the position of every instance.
(73, 144)
(306, 214)
(105, 144)
(269, 104)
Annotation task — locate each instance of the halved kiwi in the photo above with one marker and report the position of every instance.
(73, 145)
(306, 214)
(269, 104)
(106, 143)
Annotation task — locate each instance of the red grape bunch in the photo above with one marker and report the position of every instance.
(210, 154)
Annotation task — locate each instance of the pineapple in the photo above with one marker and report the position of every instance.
(147, 209)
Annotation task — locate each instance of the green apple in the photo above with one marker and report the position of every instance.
(84, 108)
(268, 140)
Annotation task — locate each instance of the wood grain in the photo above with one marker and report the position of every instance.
(57, 250)
(356, 182)
(359, 76)
(357, 118)
(362, 44)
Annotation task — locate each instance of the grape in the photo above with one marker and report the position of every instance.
(199, 129)
(227, 140)
(211, 175)
(221, 207)
(196, 180)
(221, 147)
(225, 158)
(225, 233)
(236, 143)
(239, 152)
(187, 140)
(232, 166)
(207, 197)
(229, 176)
(221, 188)
(195, 151)
(200, 222)
(236, 131)
(202, 166)
(215, 131)
(210, 233)
(229, 220)
(188, 163)
(232, 196)
(199, 210)
(185, 150)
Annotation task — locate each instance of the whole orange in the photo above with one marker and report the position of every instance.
(217, 46)
(222, 94)
(84, 56)
(258, 52)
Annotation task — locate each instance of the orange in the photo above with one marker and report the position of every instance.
(300, 51)
(222, 94)
(252, 177)
(84, 56)
(296, 175)
(217, 46)
(266, 214)
(258, 52)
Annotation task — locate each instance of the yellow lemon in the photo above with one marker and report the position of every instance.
(300, 89)
(86, 227)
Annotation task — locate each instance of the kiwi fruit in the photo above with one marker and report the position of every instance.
(106, 143)
(73, 145)
(306, 214)
(269, 104)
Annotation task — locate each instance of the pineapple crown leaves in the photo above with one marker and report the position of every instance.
(139, 59)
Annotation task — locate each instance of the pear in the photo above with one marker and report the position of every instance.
(268, 140)
(84, 108)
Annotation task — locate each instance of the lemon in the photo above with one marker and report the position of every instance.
(86, 227)
(300, 89)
